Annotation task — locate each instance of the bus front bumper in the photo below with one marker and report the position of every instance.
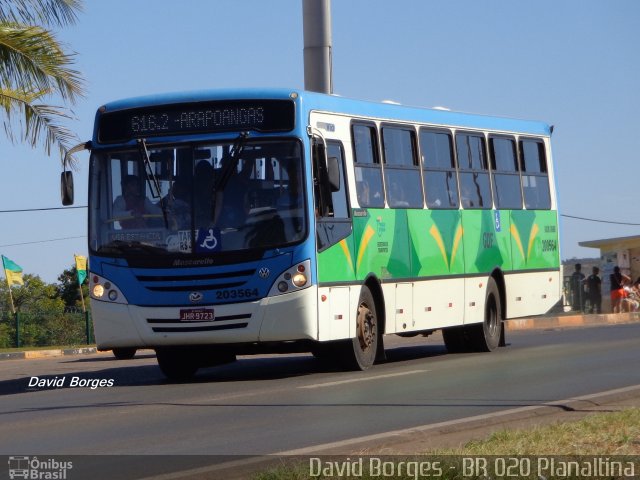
(281, 318)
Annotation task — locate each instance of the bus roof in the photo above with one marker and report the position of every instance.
(312, 101)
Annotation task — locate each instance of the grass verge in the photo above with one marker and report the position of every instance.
(602, 434)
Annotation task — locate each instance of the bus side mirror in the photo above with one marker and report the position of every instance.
(66, 188)
(66, 178)
(334, 173)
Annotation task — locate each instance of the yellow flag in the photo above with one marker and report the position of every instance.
(13, 271)
(81, 268)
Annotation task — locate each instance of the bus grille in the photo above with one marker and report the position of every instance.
(201, 326)
(203, 282)
(208, 328)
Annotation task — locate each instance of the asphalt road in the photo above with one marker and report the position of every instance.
(275, 404)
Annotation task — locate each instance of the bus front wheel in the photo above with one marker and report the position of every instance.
(360, 353)
(124, 353)
(176, 364)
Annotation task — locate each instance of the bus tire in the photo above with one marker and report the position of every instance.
(176, 364)
(124, 353)
(487, 335)
(360, 353)
(322, 351)
(456, 339)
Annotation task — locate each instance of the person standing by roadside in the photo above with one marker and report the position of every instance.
(577, 289)
(594, 288)
(618, 280)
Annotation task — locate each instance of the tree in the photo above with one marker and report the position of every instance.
(34, 296)
(68, 288)
(33, 67)
(42, 316)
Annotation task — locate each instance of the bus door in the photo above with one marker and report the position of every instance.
(334, 241)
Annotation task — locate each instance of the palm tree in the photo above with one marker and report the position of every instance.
(35, 66)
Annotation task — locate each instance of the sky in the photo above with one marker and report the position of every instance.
(574, 64)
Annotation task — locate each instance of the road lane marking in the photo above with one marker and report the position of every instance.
(363, 379)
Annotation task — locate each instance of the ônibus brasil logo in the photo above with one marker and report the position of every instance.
(34, 468)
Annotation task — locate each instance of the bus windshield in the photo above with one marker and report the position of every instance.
(197, 199)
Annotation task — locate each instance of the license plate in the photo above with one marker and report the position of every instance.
(197, 315)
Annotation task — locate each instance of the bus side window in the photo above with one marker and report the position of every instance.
(506, 174)
(367, 166)
(440, 178)
(401, 172)
(475, 185)
(535, 179)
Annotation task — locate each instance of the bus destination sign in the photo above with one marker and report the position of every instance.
(197, 117)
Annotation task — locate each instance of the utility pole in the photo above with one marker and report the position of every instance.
(318, 73)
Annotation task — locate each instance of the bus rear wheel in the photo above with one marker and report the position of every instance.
(456, 339)
(481, 337)
(487, 335)
(360, 352)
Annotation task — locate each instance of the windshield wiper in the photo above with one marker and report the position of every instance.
(152, 181)
(227, 169)
(234, 157)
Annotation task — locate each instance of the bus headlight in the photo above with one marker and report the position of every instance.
(102, 289)
(295, 278)
(299, 280)
(98, 291)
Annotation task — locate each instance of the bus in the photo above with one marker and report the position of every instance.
(234, 222)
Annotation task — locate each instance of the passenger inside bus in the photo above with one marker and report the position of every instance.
(132, 206)
(202, 193)
(235, 198)
(290, 196)
(176, 205)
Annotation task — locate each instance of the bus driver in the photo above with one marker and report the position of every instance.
(132, 204)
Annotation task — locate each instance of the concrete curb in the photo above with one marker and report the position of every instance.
(12, 355)
(57, 352)
(564, 321)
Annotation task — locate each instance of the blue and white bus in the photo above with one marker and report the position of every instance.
(232, 222)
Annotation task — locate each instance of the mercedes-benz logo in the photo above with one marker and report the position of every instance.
(264, 272)
(195, 297)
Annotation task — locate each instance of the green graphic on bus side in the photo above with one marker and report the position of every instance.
(397, 244)
(437, 240)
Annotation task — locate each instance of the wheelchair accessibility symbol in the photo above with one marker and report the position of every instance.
(208, 240)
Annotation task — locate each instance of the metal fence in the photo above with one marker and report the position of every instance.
(42, 329)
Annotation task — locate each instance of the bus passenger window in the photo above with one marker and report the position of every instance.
(475, 185)
(402, 175)
(535, 179)
(506, 174)
(367, 166)
(440, 179)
